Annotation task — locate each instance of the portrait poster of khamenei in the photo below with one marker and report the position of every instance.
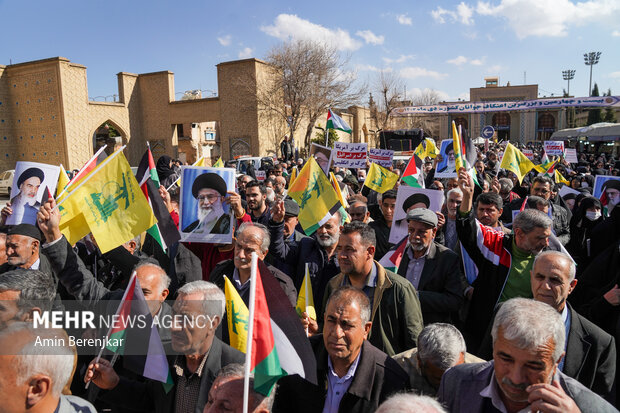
(29, 183)
(205, 211)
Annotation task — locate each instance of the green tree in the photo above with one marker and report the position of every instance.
(320, 136)
(595, 115)
(609, 115)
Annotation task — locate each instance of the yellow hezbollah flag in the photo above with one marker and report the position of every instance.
(456, 145)
(426, 148)
(63, 180)
(343, 202)
(237, 314)
(305, 301)
(111, 202)
(316, 197)
(515, 162)
(560, 179)
(218, 164)
(380, 179)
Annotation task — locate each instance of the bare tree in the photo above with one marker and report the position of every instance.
(426, 97)
(388, 87)
(310, 81)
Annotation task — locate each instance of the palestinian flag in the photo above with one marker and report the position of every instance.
(280, 347)
(413, 175)
(86, 169)
(141, 347)
(164, 232)
(391, 260)
(336, 122)
(464, 152)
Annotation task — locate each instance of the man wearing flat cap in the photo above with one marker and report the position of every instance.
(24, 206)
(431, 268)
(209, 189)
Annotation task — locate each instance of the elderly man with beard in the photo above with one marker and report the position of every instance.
(528, 346)
(209, 189)
(24, 206)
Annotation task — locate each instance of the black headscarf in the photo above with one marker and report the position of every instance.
(163, 167)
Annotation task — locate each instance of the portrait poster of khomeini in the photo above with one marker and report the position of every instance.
(205, 213)
(29, 183)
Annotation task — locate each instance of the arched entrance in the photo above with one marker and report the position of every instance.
(110, 134)
(462, 122)
(546, 126)
(501, 123)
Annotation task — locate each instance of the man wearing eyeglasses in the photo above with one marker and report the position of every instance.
(209, 190)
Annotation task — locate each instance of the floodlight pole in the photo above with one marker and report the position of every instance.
(590, 59)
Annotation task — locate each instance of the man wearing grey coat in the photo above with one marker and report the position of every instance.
(528, 345)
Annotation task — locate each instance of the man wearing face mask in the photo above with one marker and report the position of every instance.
(587, 216)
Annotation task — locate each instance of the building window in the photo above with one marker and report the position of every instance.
(209, 136)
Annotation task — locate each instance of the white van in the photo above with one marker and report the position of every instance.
(6, 180)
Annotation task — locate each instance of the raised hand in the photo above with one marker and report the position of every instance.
(102, 374)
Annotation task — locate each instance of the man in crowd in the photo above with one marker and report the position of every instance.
(354, 376)
(292, 237)
(3, 235)
(33, 376)
(396, 315)
(431, 268)
(503, 187)
(503, 261)
(286, 150)
(242, 181)
(358, 211)
(383, 222)
(528, 345)
(453, 200)
(489, 208)
(279, 187)
(542, 186)
(256, 196)
(224, 395)
(440, 347)
(22, 293)
(209, 189)
(201, 356)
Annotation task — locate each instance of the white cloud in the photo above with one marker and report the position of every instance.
(549, 18)
(404, 19)
(464, 14)
(225, 40)
(614, 75)
(371, 68)
(401, 59)
(415, 72)
(461, 60)
(290, 26)
(495, 69)
(245, 53)
(458, 61)
(615, 33)
(370, 37)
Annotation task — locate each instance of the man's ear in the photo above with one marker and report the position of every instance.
(28, 316)
(39, 387)
(165, 293)
(367, 328)
(572, 285)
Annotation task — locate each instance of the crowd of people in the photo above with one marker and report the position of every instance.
(507, 299)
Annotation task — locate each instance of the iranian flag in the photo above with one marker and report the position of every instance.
(141, 347)
(391, 260)
(412, 175)
(164, 232)
(336, 122)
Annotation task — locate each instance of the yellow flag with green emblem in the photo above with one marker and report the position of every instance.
(515, 162)
(380, 179)
(560, 179)
(237, 315)
(305, 300)
(293, 176)
(111, 203)
(316, 197)
(426, 148)
(63, 180)
(218, 164)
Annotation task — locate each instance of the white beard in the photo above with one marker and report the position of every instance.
(207, 218)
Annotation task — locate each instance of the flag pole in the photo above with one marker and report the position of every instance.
(248, 344)
(307, 280)
(95, 156)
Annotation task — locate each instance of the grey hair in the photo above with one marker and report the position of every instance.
(441, 344)
(214, 299)
(505, 184)
(164, 280)
(265, 238)
(454, 191)
(348, 295)
(55, 361)
(236, 370)
(137, 240)
(410, 403)
(529, 219)
(529, 324)
(36, 288)
(554, 255)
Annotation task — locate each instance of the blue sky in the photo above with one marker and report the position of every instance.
(448, 46)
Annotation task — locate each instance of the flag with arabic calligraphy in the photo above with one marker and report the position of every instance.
(318, 202)
(426, 148)
(515, 162)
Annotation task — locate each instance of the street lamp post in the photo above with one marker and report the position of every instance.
(568, 75)
(590, 59)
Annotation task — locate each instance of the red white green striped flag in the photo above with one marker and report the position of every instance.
(336, 122)
(391, 260)
(412, 175)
